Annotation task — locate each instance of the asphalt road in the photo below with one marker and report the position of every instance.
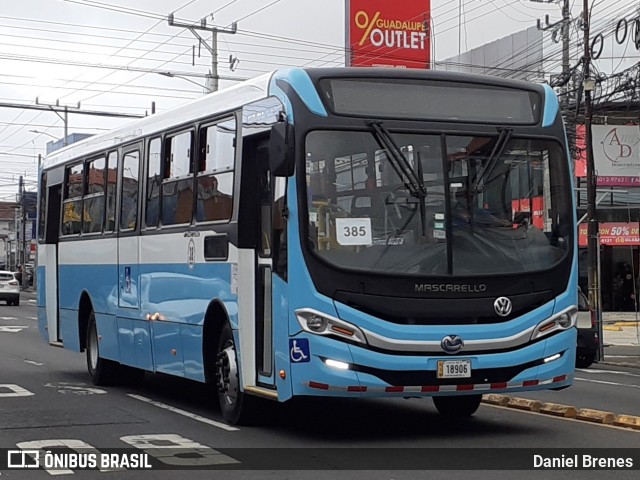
(46, 396)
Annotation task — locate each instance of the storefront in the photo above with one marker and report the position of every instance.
(619, 264)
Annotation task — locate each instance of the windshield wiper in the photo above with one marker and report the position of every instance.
(492, 160)
(398, 161)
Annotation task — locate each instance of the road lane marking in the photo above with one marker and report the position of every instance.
(12, 328)
(8, 318)
(14, 391)
(628, 374)
(39, 364)
(179, 411)
(607, 383)
(75, 388)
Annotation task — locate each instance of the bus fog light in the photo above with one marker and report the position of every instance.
(552, 358)
(336, 364)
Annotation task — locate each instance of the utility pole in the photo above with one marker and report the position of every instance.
(65, 118)
(593, 244)
(23, 229)
(561, 26)
(213, 78)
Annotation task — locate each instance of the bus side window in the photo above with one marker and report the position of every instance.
(177, 186)
(112, 179)
(72, 204)
(214, 196)
(130, 186)
(93, 208)
(154, 179)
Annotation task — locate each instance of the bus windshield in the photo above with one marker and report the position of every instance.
(485, 204)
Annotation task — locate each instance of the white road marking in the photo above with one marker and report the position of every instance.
(12, 329)
(75, 388)
(607, 383)
(617, 372)
(8, 318)
(39, 364)
(179, 411)
(31, 300)
(32, 318)
(15, 391)
(175, 450)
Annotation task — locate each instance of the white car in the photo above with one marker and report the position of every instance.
(9, 288)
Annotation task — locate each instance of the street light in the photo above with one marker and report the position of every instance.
(45, 133)
(173, 75)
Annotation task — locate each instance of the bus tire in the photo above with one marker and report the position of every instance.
(102, 371)
(462, 406)
(237, 407)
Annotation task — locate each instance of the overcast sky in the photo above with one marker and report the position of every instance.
(96, 52)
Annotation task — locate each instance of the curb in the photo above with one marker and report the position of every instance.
(612, 328)
(628, 421)
(564, 411)
(597, 416)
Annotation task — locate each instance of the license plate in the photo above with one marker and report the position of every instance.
(454, 368)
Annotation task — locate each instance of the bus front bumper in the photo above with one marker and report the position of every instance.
(343, 370)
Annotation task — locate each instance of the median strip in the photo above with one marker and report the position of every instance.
(564, 411)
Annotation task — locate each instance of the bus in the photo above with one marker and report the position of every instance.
(321, 232)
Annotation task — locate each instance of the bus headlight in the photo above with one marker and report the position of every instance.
(561, 321)
(318, 323)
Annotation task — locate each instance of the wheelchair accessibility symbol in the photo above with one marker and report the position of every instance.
(299, 350)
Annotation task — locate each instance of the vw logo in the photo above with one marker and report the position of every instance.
(502, 306)
(452, 343)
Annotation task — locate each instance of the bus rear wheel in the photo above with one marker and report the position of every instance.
(103, 372)
(237, 407)
(462, 406)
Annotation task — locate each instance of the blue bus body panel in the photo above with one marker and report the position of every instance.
(41, 304)
(280, 315)
(108, 332)
(551, 106)
(301, 83)
(192, 352)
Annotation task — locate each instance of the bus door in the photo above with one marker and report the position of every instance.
(49, 231)
(128, 238)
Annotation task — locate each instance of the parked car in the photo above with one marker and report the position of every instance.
(588, 340)
(9, 288)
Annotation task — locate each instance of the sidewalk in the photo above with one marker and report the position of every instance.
(621, 331)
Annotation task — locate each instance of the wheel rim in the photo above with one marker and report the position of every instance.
(93, 350)
(227, 375)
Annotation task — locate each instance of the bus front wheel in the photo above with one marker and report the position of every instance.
(462, 406)
(237, 407)
(103, 372)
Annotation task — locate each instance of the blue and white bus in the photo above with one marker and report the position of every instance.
(321, 232)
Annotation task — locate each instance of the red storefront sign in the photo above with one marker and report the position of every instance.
(614, 233)
(388, 33)
(523, 205)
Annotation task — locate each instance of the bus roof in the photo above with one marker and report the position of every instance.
(217, 102)
(246, 92)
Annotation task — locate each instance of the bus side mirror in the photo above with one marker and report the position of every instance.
(281, 158)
